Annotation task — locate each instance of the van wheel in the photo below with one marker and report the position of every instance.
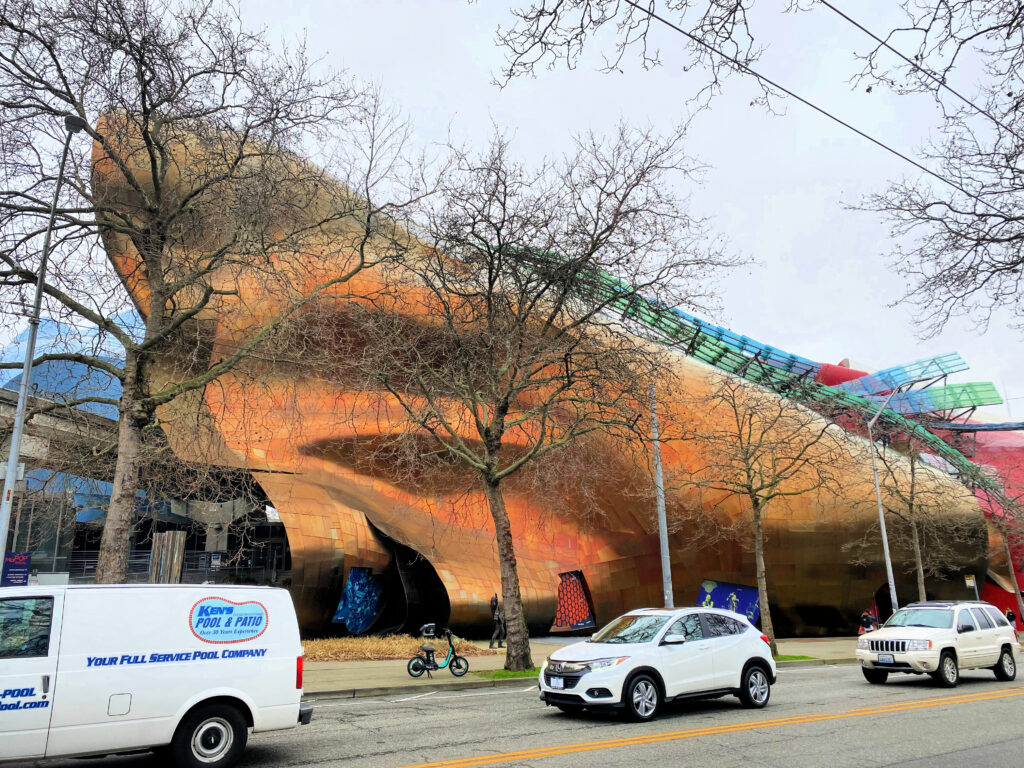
(948, 673)
(210, 735)
(1005, 668)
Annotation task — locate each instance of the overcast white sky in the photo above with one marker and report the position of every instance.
(776, 185)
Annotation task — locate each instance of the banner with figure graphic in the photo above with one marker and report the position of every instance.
(733, 597)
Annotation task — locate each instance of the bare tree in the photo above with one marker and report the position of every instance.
(195, 189)
(958, 244)
(924, 516)
(502, 360)
(757, 448)
(716, 36)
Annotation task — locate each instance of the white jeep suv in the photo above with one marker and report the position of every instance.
(940, 638)
(651, 656)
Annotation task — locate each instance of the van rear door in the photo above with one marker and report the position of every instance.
(29, 643)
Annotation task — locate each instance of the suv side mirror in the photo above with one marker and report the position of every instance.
(965, 628)
(673, 640)
(1011, 616)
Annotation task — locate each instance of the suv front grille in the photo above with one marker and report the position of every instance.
(569, 682)
(889, 646)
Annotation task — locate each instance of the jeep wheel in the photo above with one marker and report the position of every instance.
(642, 698)
(948, 674)
(1006, 667)
(875, 676)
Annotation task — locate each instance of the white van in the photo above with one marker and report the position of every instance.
(94, 670)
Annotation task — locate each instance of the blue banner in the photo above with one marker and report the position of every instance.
(732, 597)
(362, 600)
(16, 569)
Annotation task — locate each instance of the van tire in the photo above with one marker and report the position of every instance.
(210, 736)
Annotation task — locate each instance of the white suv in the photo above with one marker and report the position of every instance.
(651, 656)
(940, 639)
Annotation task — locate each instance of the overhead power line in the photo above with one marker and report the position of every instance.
(927, 73)
(768, 81)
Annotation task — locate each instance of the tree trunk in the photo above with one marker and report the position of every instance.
(112, 562)
(762, 581)
(1013, 575)
(517, 654)
(918, 563)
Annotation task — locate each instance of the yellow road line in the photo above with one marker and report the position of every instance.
(591, 746)
(949, 698)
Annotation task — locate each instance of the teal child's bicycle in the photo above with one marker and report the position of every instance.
(426, 662)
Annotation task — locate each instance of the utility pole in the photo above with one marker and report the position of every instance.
(73, 124)
(659, 490)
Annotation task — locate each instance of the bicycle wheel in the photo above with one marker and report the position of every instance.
(416, 666)
(459, 666)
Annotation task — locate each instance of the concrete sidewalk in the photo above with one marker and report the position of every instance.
(348, 679)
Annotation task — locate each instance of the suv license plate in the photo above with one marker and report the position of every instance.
(885, 658)
(557, 682)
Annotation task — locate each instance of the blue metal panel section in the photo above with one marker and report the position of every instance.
(901, 375)
(764, 353)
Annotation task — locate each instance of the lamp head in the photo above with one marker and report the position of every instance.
(74, 124)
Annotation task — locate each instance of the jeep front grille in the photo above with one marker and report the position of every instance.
(889, 646)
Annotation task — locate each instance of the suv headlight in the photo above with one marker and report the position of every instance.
(862, 643)
(919, 645)
(594, 666)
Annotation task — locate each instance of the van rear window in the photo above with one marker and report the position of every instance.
(25, 627)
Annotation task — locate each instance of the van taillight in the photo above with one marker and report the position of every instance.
(766, 639)
(298, 673)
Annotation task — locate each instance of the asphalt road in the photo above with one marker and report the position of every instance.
(825, 717)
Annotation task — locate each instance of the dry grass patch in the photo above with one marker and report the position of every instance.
(383, 648)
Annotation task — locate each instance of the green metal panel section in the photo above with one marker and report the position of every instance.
(673, 330)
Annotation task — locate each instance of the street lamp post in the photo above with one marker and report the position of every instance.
(881, 511)
(72, 124)
(659, 489)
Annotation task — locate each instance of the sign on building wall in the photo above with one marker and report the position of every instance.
(733, 597)
(16, 569)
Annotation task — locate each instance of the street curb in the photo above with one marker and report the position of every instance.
(814, 663)
(466, 685)
(390, 690)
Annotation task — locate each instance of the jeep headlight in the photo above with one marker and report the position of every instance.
(544, 666)
(919, 645)
(594, 666)
(862, 643)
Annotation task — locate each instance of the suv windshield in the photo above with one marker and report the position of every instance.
(936, 618)
(631, 629)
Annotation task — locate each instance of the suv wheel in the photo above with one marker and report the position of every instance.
(1006, 667)
(755, 690)
(211, 736)
(875, 676)
(948, 674)
(642, 698)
